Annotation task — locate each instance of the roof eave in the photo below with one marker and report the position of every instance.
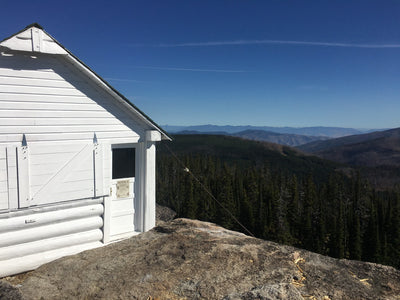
(95, 76)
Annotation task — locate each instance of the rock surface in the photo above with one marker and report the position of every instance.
(188, 259)
(164, 214)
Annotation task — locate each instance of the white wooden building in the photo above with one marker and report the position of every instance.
(77, 159)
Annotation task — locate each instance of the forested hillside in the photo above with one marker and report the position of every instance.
(378, 141)
(287, 139)
(377, 154)
(280, 195)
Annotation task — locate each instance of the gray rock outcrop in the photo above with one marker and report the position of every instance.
(189, 259)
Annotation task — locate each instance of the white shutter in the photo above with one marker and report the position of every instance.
(23, 176)
(3, 179)
(8, 178)
(98, 170)
(64, 172)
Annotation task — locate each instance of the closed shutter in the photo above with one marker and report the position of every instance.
(62, 173)
(3, 179)
(8, 178)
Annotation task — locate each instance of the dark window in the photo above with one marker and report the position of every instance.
(123, 162)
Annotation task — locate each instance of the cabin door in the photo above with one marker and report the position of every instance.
(122, 189)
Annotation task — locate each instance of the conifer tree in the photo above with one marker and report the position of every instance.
(293, 207)
(371, 239)
(307, 214)
(225, 197)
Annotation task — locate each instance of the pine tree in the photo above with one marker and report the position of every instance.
(307, 221)
(355, 226)
(225, 197)
(293, 208)
(371, 245)
(394, 233)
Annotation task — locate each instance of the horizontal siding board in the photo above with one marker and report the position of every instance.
(55, 149)
(25, 65)
(54, 114)
(30, 74)
(60, 102)
(14, 97)
(61, 121)
(34, 61)
(19, 89)
(71, 136)
(48, 99)
(11, 129)
(35, 82)
(5, 105)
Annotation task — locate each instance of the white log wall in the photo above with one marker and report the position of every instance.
(31, 238)
(48, 99)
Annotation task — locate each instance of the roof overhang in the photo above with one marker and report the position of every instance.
(35, 39)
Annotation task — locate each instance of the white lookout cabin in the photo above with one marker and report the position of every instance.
(77, 159)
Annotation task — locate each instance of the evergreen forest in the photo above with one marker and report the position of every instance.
(280, 195)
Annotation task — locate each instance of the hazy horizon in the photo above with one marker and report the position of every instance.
(249, 125)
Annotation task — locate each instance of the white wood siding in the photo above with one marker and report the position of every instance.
(48, 99)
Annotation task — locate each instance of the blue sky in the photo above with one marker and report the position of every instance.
(273, 63)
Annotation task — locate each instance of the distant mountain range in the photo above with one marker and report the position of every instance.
(331, 132)
(288, 139)
(374, 149)
(376, 154)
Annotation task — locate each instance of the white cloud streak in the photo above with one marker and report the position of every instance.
(122, 79)
(194, 70)
(280, 42)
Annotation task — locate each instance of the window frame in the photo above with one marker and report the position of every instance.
(123, 146)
